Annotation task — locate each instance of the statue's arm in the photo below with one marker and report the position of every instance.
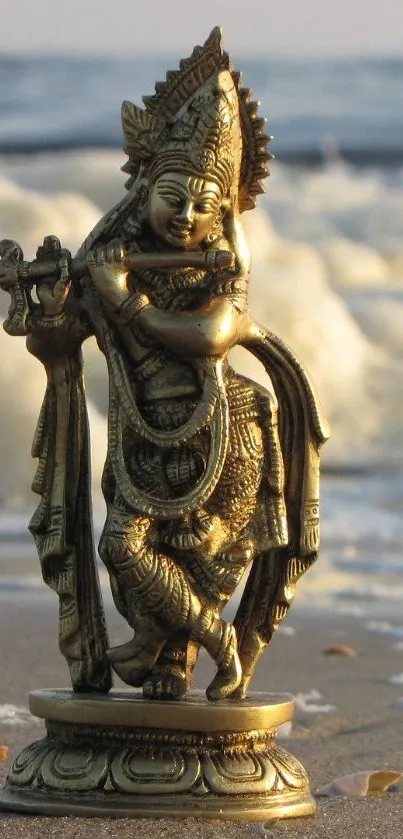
(221, 323)
(211, 330)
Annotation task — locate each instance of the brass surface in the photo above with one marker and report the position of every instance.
(129, 262)
(127, 708)
(236, 809)
(90, 764)
(207, 474)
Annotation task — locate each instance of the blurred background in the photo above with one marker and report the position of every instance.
(327, 239)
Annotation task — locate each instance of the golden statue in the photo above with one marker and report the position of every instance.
(207, 473)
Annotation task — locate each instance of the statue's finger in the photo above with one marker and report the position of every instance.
(8, 277)
(60, 290)
(119, 253)
(109, 254)
(64, 270)
(100, 256)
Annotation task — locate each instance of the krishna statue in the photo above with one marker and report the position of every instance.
(207, 475)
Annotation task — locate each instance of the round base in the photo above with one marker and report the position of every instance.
(237, 808)
(121, 755)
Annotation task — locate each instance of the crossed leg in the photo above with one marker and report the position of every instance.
(170, 599)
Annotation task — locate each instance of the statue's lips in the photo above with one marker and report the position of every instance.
(180, 231)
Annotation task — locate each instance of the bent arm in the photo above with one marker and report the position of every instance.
(211, 330)
(219, 325)
(239, 246)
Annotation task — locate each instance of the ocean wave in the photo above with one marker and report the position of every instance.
(305, 271)
(362, 157)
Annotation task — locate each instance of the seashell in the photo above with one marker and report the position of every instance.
(361, 783)
(340, 649)
(3, 752)
(263, 831)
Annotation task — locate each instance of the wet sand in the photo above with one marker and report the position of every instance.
(364, 732)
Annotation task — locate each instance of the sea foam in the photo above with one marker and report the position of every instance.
(320, 245)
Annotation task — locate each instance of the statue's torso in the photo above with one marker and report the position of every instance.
(161, 374)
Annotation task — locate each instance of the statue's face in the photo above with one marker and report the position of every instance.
(182, 208)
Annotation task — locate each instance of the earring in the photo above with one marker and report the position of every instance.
(216, 231)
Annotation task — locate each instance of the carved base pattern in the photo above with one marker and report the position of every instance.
(110, 770)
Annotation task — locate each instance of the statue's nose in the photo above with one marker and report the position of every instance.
(187, 212)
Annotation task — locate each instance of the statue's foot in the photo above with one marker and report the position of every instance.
(123, 651)
(241, 692)
(229, 670)
(133, 661)
(131, 671)
(167, 682)
(226, 681)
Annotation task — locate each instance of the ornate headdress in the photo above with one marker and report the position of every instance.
(201, 121)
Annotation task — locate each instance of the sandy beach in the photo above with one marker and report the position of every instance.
(364, 731)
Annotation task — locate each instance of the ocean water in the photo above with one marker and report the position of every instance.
(351, 104)
(327, 247)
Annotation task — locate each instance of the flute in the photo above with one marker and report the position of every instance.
(30, 272)
(18, 276)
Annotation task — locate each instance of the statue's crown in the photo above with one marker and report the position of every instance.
(200, 121)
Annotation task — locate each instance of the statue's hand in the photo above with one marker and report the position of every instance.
(8, 277)
(11, 261)
(105, 265)
(229, 223)
(235, 234)
(53, 297)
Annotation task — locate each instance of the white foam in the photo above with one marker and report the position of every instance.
(385, 628)
(22, 382)
(328, 229)
(284, 730)
(94, 174)
(350, 610)
(27, 582)
(339, 201)
(380, 318)
(28, 216)
(374, 592)
(286, 630)
(352, 264)
(358, 385)
(15, 715)
(308, 703)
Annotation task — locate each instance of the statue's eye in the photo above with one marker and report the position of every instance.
(174, 201)
(202, 208)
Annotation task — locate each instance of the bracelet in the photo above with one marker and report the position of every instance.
(47, 321)
(23, 270)
(132, 307)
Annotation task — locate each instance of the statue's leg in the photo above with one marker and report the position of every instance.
(157, 586)
(172, 674)
(149, 638)
(221, 551)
